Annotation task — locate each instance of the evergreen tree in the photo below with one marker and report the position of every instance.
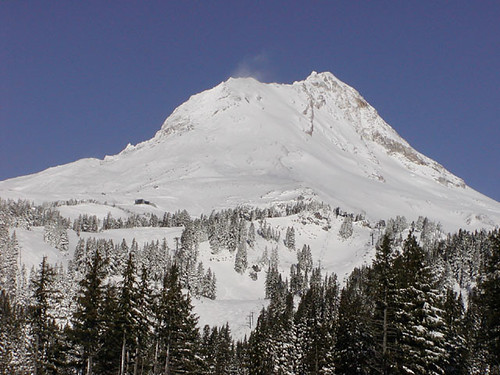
(489, 290)
(298, 283)
(107, 358)
(9, 255)
(290, 238)
(420, 315)
(355, 343)
(209, 285)
(208, 348)
(346, 228)
(282, 348)
(144, 323)
(177, 335)
(79, 256)
(475, 328)
(384, 291)
(251, 235)
(455, 336)
(259, 361)
(127, 311)
(55, 234)
(46, 337)
(240, 260)
(14, 356)
(223, 352)
(187, 257)
(316, 319)
(88, 317)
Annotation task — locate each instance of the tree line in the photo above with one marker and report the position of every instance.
(397, 316)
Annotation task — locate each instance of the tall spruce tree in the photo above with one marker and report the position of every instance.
(383, 288)
(107, 359)
(490, 300)
(47, 342)
(419, 315)
(14, 355)
(240, 260)
(88, 317)
(455, 336)
(355, 347)
(177, 334)
(128, 318)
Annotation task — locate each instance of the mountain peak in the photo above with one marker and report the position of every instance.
(246, 142)
(322, 77)
(319, 106)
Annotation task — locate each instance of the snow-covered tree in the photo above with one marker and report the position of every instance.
(290, 238)
(346, 228)
(251, 235)
(56, 235)
(240, 260)
(9, 257)
(177, 335)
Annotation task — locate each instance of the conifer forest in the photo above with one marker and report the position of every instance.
(425, 304)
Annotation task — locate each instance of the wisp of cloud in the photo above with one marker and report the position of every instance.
(256, 66)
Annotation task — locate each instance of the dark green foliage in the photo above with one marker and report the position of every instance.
(488, 299)
(12, 337)
(384, 296)
(259, 361)
(455, 337)
(355, 347)
(419, 314)
(88, 322)
(176, 335)
(398, 316)
(47, 342)
(107, 358)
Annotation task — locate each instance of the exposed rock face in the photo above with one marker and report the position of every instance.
(248, 142)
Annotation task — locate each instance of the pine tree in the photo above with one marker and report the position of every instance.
(240, 260)
(455, 336)
(475, 327)
(346, 228)
(297, 280)
(187, 257)
(251, 235)
(177, 335)
(223, 354)
(208, 348)
(55, 234)
(316, 321)
(259, 361)
(490, 299)
(9, 255)
(290, 238)
(384, 293)
(46, 338)
(305, 260)
(14, 356)
(282, 337)
(354, 346)
(127, 314)
(144, 323)
(87, 319)
(420, 315)
(107, 359)
(4, 248)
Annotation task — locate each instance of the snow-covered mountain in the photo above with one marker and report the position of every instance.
(246, 142)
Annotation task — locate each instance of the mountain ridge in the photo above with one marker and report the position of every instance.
(246, 142)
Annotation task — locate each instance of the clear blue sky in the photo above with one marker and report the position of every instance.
(84, 78)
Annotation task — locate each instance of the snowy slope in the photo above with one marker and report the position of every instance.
(238, 295)
(245, 142)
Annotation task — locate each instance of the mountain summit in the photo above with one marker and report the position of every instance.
(246, 142)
